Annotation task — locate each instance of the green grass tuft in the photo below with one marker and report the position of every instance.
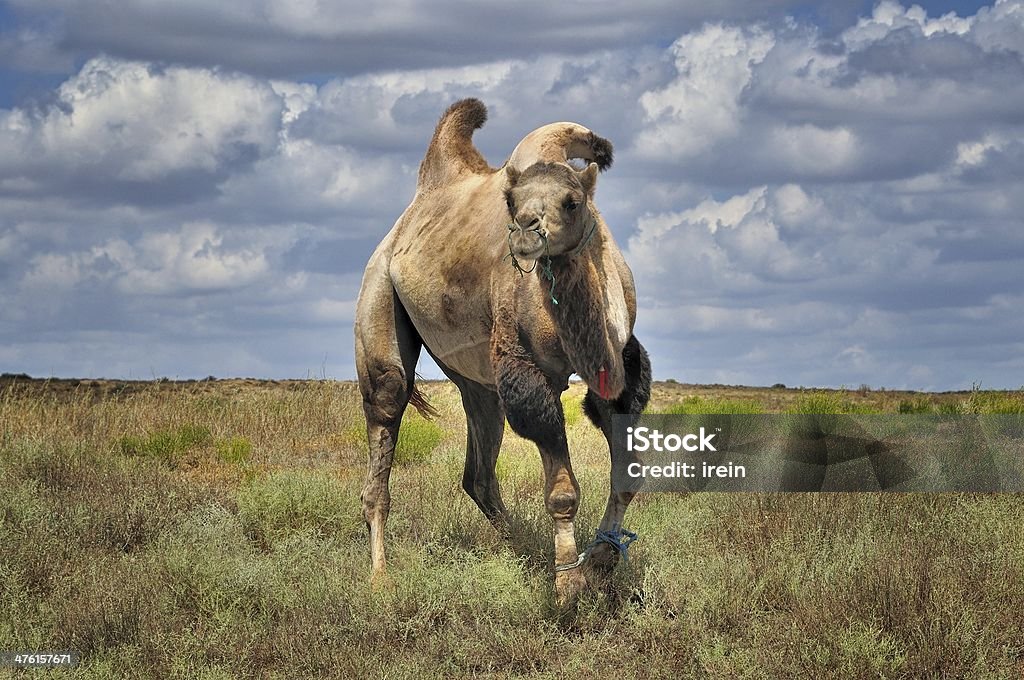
(827, 402)
(916, 405)
(417, 439)
(701, 405)
(235, 450)
(165, 444)
(278, 505)
(572, 407)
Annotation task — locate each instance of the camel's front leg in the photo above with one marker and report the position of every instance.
(631, 402)
(534, 411)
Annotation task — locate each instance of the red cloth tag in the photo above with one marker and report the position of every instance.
(602, 382)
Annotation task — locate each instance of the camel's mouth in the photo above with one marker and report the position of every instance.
(527, 245)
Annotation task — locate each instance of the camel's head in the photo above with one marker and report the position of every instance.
(551, 209)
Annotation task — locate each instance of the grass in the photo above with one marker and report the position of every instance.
(417, 439)
(165, 444)
(696, 405)
(236, 450)
(224, 539)
(828, 402)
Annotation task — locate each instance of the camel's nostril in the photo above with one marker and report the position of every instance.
(531, 224)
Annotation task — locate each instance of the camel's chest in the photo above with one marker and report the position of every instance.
(586, 330)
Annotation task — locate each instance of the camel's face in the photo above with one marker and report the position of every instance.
(549, 206)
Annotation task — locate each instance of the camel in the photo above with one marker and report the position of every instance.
(511, 280)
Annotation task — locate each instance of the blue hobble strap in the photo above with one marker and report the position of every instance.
(620, 539)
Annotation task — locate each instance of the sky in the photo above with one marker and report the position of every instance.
(811, 193)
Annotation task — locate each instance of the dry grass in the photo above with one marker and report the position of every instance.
(212, 530)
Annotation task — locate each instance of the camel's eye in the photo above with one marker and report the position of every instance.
(509, 205)
(571, 205)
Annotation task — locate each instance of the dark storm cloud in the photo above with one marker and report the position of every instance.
(280, 38)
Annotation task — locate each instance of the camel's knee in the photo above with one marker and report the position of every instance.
(376, 500)
(563, 495)
(562, 503)
(386, 391)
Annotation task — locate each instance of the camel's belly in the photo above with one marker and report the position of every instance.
(451, 313)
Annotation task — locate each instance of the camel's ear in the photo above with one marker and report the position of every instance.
(588, 178)
(512, 174)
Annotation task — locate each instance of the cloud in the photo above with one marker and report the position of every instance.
(799, 203)
(701, 104)
(295, 39)
(131, 132)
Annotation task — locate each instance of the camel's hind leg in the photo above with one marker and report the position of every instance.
(485, 422)
(387, 348)
(631, 402)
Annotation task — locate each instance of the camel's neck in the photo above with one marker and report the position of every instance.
(579, 313)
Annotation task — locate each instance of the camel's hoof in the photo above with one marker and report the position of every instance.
(569, 584)
(602, 559)
(600, 566)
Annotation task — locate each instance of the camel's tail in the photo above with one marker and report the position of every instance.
(420, 403)
(451, 150)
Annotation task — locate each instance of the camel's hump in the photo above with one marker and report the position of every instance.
(559, 142)
(451, 149)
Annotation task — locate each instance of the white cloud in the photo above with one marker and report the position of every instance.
(701, 105)
(812, 150)
(729, 247)
(138, 123)
(889, 16)
(192, 259)
(973, 153)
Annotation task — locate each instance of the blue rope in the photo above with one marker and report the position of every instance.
(620, 539)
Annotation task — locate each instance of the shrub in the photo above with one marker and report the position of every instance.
(1004, 404)
(191, 436)
(275, 507)
(915, 405)
(700, 405)
(417, 439)
(165, 444)
(822, 402)
(234, 450)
